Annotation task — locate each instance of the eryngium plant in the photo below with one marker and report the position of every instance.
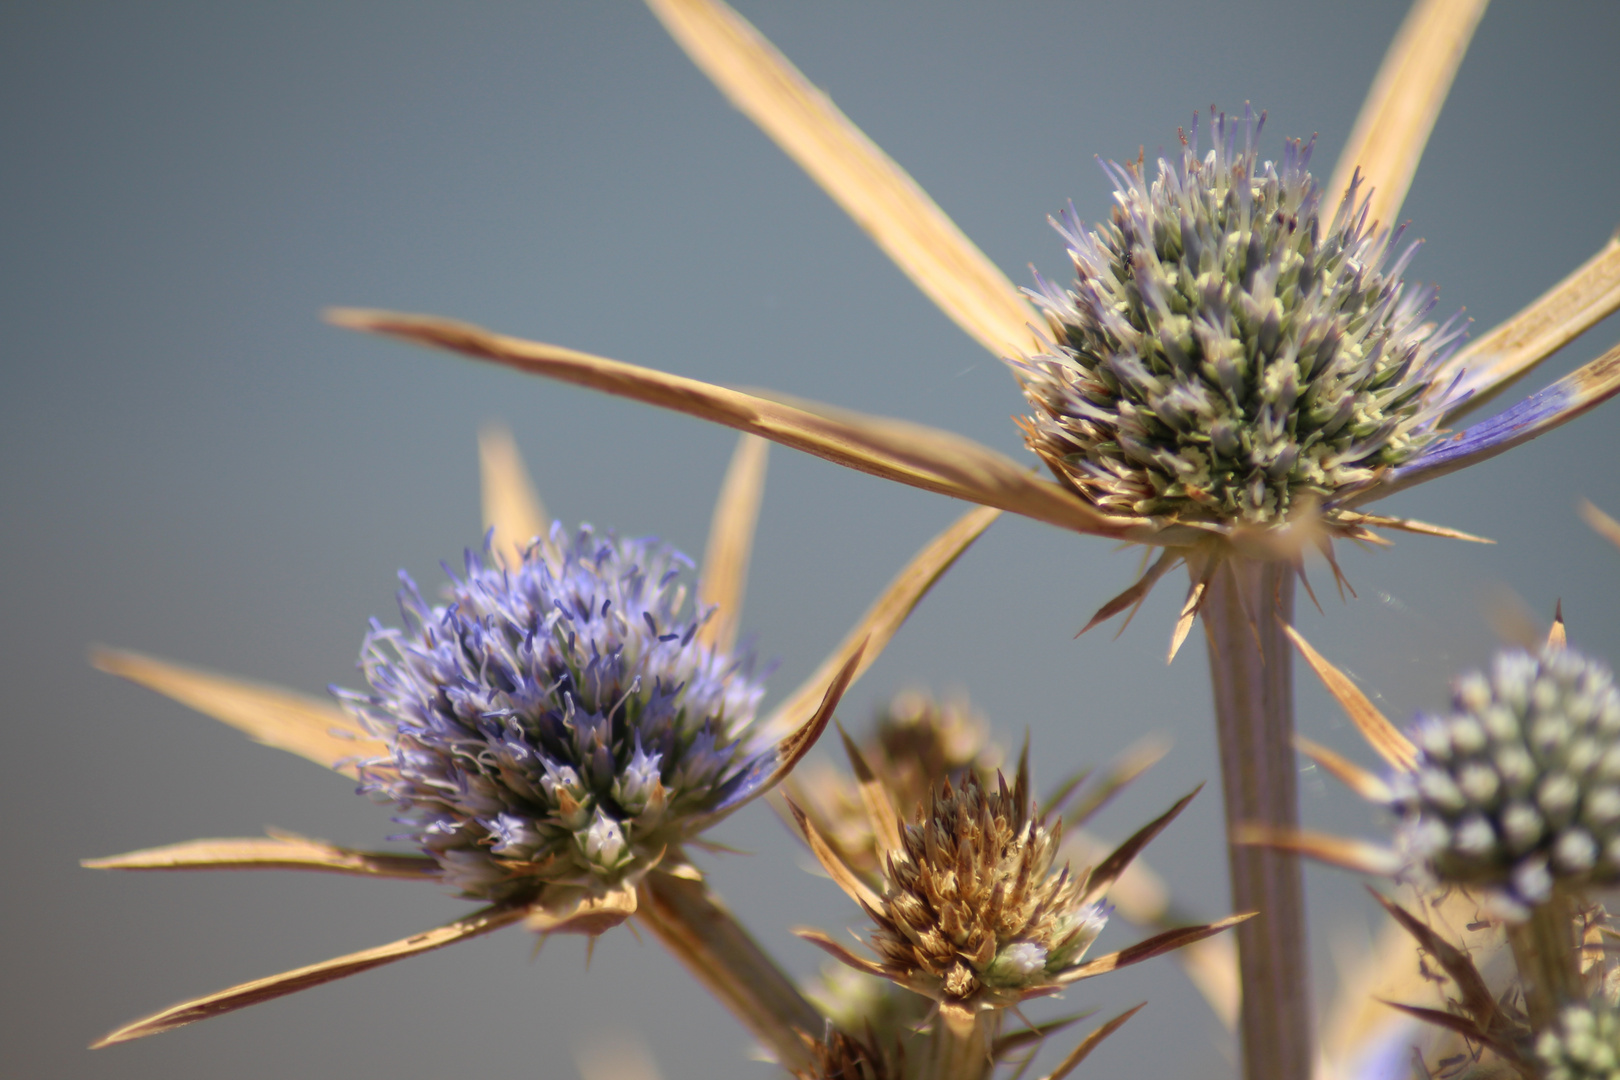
(1225, 354)
(1518, 789)
(555, 723)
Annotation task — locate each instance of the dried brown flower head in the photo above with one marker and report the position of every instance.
(973, 910)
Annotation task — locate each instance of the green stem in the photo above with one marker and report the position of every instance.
(1548, 956)
(702, 934)
(1251, 666)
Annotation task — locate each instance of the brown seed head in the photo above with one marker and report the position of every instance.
(972, 912)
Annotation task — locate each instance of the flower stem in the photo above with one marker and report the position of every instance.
(1251, 666)
(1548, 957)
(959, 1048)
(703, 935)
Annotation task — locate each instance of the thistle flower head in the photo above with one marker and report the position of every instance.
(1225, 355)
(972, 912)
(1584, 1046)
(1519, 787)
(555, 722)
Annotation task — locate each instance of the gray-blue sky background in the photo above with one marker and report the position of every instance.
(192, 465)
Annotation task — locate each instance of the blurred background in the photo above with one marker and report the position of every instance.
(194, 466)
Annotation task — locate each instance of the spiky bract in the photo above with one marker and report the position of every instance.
(1519, 787)
(1224, 355)
(917, 741)
(1584, 1046)
(555, 722)
(973, 913)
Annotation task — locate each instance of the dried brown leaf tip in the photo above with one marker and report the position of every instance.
(970, 907)
(916, 741)
(839, 1056)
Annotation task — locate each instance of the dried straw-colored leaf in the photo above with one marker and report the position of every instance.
(584, 913)
(731, 540)
(1157, 945)
(1368, 785)
(1601, 523)
(792, 748)
(1089, 1043)
(1350, 854)
(1137, 759)
(1494, 361)
(1395, 121)
(879, 807)
(310, 728)
(846, 879)
(251, 993)
(1557, 636)
(888, 204)
(1421, 528)
(878, 625)
(512, 506)
(1133, 596)
(1202, 574)
(1017, 1040)
(1114, 864)
(1463, 1026)
(838, 952)
(1576, 394)
(616, 1055)
(281, 852)
(923, 457)
(1380, 734)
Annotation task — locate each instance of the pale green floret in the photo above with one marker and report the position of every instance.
(1224, 352)
(1584, 1046)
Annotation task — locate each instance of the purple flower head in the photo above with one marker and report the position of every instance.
(558, 722)
(1224, 355)
(1519, 787)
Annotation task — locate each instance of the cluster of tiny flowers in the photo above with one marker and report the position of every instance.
(1221, 355)
(973, 913)
(555, 722)
(1585, 1045)
(1520, 786)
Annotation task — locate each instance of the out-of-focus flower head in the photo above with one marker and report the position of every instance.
(1518, 788)
(1584, 1046)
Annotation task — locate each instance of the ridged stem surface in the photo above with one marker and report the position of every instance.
(960, 1050)
(703, 935)
(1548, 957)
(1251, 666)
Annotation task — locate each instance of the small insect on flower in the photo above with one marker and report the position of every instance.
(1227, 353)
(554, 726)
